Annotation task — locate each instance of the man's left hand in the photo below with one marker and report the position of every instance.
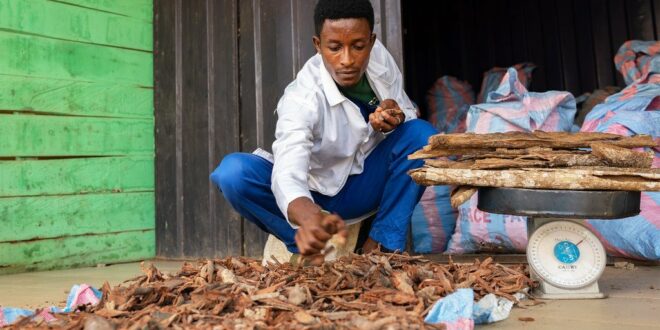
(387, 116)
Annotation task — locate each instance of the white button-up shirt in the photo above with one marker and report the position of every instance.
(321, 136)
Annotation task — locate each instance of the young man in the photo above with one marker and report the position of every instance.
(345, 128)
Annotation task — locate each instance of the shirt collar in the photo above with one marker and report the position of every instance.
(375, 70)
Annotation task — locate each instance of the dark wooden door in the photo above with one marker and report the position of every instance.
(220, 68)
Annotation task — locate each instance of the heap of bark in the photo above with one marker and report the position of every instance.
(539, 160)
(373, 291)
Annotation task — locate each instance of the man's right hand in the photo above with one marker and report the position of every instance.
(316, 228)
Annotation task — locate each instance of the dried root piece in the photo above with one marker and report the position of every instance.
(461, 194)
(622, 157)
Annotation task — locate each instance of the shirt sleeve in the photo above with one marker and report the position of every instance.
(402, 98)
(397, 88)
(292, 151)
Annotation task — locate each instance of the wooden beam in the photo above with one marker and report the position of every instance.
(62, 21)
(140, 9)
(76, 175)
(596, 178)
(41, 136)
(76, 251)
(31, 218)
(70, 97)
(29, 55)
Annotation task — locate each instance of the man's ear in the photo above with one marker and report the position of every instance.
(317, 43)
(373, 39)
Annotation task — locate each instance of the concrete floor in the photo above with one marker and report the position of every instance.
(633, 302)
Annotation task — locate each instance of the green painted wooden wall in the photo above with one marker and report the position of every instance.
(76, 133)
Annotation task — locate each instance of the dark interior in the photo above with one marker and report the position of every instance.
(571, 42)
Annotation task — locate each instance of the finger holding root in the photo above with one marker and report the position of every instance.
(377, 121)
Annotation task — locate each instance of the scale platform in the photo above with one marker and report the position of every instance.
(564, 256)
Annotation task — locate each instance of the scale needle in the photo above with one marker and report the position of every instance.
(579, 242)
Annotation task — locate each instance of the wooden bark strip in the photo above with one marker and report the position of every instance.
(434, 153)
(527, 153)
(622, 157)
(429, 152)
(461, 195)
(536, 139)
(557, 160)
(585, 178)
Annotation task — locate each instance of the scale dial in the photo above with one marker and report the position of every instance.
(566, 254)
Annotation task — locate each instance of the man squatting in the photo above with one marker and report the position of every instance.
(344, 130)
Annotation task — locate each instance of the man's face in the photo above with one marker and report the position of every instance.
(345, 45)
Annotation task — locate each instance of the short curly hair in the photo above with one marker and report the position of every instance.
(336, 9)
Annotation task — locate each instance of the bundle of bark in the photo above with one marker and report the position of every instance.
(539, 160)
(373, 291)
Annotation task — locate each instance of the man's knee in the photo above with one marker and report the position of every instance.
(418, 131)
(230, 174)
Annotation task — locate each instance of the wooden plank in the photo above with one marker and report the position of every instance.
(76, 251)
(251, 100)
(517, 22)
(640, 19)
(78, 175)
(198, 239)
(29, 218)
(391, 27)
(585, 46)
(618, 31)
(303, 31)
(442, 57)
(535, 45)
(584, 178)
(656, 18)
(488, 33)
(80, 98)
(31, 136)
(414, 55)
(167, 81)
(141, 9)
(56, 20)
(568, 45)
(275, 68)
(603, 57)
(469, 49)
(43, 57)
(549, 28)
(503, 37)
(224, 120)
(517, 140)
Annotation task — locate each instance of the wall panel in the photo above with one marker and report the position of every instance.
(216, 93)
(76, 133)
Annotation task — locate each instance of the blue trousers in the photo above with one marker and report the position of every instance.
(245, 181)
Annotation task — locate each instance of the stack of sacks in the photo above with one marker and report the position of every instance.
(591, 100)
(510, 108)
(635, 110)
(433, 220)
(493, 78)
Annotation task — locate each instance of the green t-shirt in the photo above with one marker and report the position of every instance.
(361, 91)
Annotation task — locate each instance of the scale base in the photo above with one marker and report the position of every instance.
(549, 291)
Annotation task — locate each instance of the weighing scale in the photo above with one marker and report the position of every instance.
(564, 256)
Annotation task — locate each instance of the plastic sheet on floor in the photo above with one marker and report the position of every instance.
(78, 295)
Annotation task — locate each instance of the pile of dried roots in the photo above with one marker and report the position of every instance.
(538, 160)
(373, 291)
